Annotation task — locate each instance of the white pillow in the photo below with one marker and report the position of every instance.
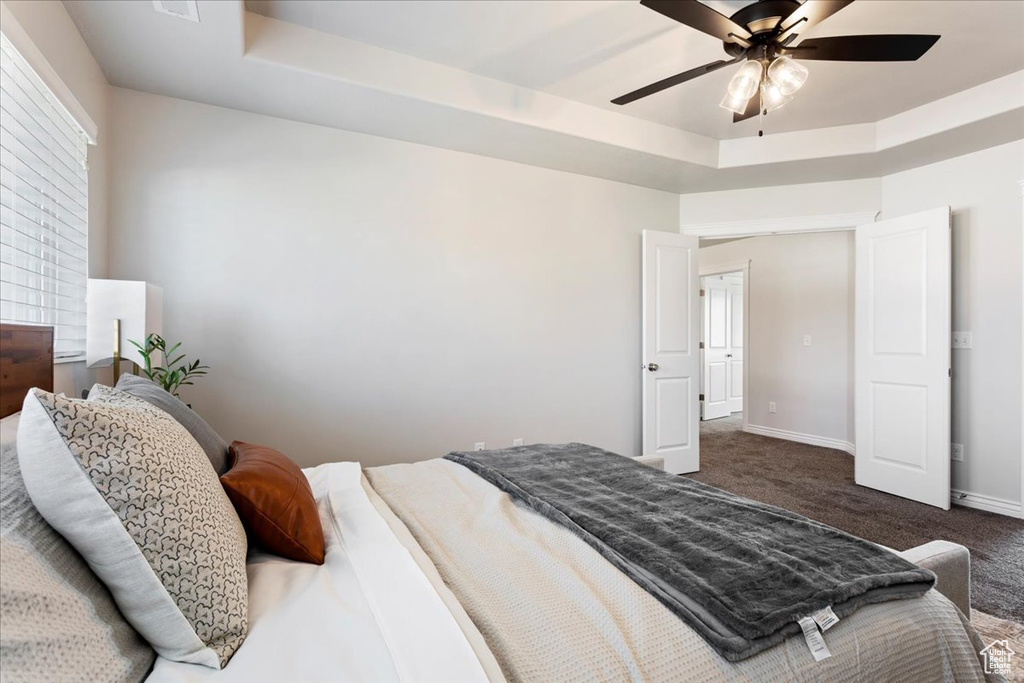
(135, 494)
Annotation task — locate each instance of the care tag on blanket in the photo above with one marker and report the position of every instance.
(825, 618)
(815, 641)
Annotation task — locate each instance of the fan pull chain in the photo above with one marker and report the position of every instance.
(760, 114)
(760, 92)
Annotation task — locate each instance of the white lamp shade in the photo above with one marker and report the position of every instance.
(138, 305)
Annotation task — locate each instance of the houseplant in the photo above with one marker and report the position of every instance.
(176, 372)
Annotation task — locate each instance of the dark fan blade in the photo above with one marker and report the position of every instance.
(881, 48)
(810, 13)
(699, 16)
(674, 80)
(753, 106)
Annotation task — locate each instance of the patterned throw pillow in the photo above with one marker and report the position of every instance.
(134, 493)
(59, 621)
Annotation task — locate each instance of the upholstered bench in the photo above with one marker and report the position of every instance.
(951, 563)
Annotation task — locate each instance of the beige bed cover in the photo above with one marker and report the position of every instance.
(539, 604)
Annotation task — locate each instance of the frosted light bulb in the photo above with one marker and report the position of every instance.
(788, 75)
(772, 97)
(732, 103)
(742, 87)
(745, 81)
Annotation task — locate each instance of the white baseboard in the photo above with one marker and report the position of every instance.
(799, 437)
(1000, 506)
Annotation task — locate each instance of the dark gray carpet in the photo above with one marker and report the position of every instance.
(818, 483)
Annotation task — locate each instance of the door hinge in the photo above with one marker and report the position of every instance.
(700, 397)
(700, 345)
(702, 292)
(951, 373)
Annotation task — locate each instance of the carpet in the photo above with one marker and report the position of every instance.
(991, 629)
(818, 483)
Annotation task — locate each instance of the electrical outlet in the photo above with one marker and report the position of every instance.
(956, 452)
(517, 442)
(807, 340)
(771, 406)
(962, 340)
(479, 446)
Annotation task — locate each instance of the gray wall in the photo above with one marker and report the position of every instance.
(799, 285)
(365, 298)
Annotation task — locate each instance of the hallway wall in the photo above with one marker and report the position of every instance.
(800, 285)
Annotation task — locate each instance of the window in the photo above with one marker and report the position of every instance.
(43, 207)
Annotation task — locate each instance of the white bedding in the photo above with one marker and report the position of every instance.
(367, 614)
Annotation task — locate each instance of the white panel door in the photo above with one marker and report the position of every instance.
(735, 355)
(902, 356)
(717, 355)
(671, 360)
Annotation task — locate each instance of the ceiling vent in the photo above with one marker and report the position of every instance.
(183, 9)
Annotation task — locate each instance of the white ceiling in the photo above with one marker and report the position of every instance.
(592, 51)
(529, 81)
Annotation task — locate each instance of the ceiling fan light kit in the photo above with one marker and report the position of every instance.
(763, 35)
(777, 83)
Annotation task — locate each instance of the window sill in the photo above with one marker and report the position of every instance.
(69, 359)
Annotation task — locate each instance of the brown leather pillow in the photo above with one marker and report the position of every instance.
(274, 500)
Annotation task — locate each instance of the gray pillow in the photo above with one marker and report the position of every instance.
(216, 448)
(59, 621)
(133, 492)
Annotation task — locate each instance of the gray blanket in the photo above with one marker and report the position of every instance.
(740, 573)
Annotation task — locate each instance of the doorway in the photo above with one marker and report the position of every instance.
(722, 345)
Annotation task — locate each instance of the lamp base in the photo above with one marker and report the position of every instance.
(117, 351)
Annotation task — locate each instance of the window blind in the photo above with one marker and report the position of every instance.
(43, 207)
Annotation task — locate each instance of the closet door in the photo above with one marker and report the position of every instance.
(717, 349)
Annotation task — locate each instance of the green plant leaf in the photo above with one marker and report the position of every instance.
(171, 376)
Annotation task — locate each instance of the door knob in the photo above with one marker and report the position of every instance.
(728, 355)
(652, 367)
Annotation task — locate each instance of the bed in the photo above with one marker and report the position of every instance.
(433, 574)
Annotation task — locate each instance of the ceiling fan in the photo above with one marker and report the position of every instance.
(764, 35)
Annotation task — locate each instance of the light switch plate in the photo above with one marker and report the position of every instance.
(479, 446)
(771, 406)
(962, 340)
(807, 340)
(517, 442)
(956, 452)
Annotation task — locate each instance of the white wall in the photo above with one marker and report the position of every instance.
(51, 30)
(982, 189)
(366, 298)
(789, 201)
(799, 285)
